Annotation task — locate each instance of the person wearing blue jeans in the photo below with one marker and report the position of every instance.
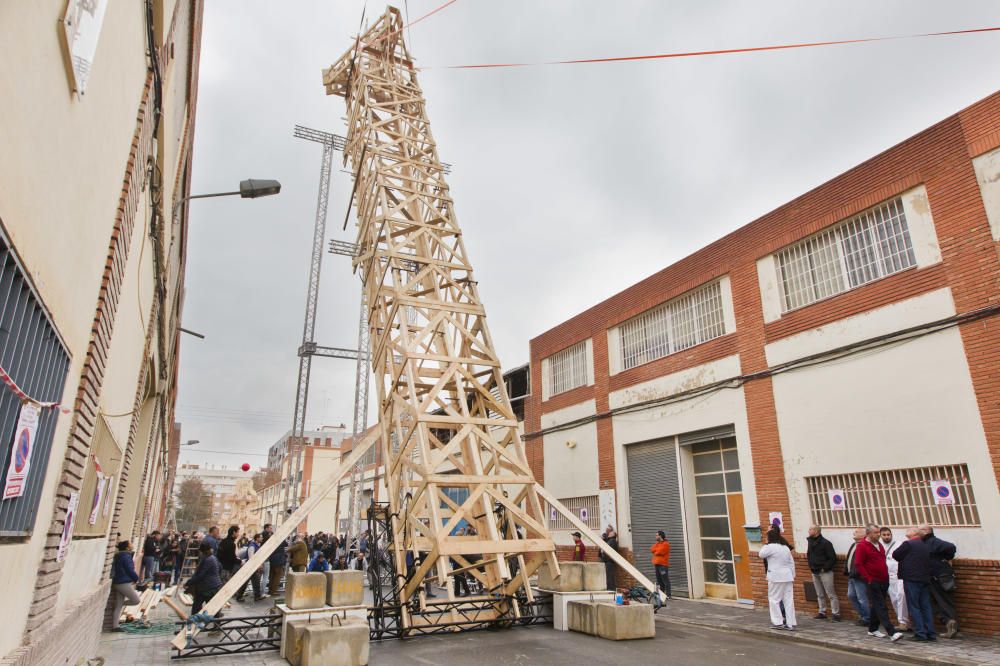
(857, 589)
(914, 560)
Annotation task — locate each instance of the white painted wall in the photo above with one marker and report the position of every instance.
(724, 407)
(987, 168)
(910, 405)
(570, 470)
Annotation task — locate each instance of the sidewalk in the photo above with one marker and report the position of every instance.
(965, 650)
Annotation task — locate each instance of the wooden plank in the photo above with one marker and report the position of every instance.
(243, 574)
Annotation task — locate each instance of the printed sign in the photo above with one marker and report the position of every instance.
(775, 518)
(107, 496)
(20, 459)
(942, 492)
(82, 28)
(608, 513)
(95, 506)
(837, 499)
(67, 533)
(584, 514)
(553, 514)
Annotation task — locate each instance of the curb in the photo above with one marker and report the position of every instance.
(909, 657)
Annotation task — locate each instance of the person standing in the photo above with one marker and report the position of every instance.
(212, 539)
(226, 554)
(579, 548)
(869, 561)
(856, 591)
(123, 580)
(914, 560)
(298, 555)
(897, 596)
(205, 581)
(150, 555)
(822, 561)
(277, 561)
(780, 579)
(942, 578)
(610, 537)
(661, 562)
(252, 547)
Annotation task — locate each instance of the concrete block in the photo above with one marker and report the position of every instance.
(569, 580)
(582, 617)
(291, 639)
(305, 590)
(333, 644)
(594, 579)
(344, 588)
(623, 623)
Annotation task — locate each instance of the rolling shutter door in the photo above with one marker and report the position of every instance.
(655, 499)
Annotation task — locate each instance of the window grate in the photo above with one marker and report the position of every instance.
(867, 247)
(677, 325)
(35, 358)
(896, 497)
(568, 368)
(586, 508)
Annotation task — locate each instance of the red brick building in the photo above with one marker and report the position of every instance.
(833, 362)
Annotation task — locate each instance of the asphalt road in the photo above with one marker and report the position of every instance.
(674, 644)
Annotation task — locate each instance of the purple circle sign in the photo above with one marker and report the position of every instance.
(943, 491)
(22, 452)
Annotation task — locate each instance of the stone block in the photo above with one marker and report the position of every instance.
(292, 637)
(345, 588)
(305, 590)
(623, 623)
(569, 580)
(594, 579)
(333, 644)
(582, 617)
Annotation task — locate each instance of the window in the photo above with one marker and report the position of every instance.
(896, 497)
(568, 368)
(586, 509)
(36, 360)
(867, 247)
(684, 322)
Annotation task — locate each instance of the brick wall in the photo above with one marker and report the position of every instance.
(68, 638)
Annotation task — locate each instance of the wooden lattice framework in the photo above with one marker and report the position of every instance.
(450, 440)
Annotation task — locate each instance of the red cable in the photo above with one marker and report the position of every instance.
(414, 22)
(689, 54)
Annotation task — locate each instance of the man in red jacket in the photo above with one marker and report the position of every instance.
(579, 549)
(869, 561)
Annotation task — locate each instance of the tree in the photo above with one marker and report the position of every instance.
(194, 504)
(265, 477)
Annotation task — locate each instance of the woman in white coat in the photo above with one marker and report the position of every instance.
(780, 578)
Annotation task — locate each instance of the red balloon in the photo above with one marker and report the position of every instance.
(245, 467)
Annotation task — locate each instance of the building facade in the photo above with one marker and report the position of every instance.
(831, 363)
(97, 127)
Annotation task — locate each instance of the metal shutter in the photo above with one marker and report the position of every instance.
(656, 505)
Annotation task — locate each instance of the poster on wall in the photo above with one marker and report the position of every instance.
(20, 458)
(584, 514)
(609, 516)
(775, 518)
(942, 492)
(95, 506)
(110, 481)
(82, 29)
(67, 533)
(553, 514)
(837, 499)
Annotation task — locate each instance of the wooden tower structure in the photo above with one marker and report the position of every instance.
(449, 437)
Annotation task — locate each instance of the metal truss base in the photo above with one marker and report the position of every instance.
(235, 635)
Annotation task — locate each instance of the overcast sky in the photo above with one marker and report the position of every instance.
(571, 182)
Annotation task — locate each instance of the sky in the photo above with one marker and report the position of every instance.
(571, 182)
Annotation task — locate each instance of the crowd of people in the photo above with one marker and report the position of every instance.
(914, 576)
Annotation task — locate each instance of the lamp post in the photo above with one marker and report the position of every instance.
(249, 189)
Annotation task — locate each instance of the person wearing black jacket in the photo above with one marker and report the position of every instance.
(206, 581)
(277, 561)
(822, 561)
(123, 580)
(610, 537)
(150, 555)
(942, 578)
(914, 557)
(228, 559)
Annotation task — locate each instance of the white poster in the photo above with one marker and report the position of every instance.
(553, 514)
(837, 499)
(110, 481)
(584, 514)
(95, 506)
(67, 533)
(20, 455)
(82, 24)
(608, 514)
(775, 518)
(942, 492)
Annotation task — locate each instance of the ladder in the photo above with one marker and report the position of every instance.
(190, 562)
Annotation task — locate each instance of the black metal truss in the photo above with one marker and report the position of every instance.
(234, 635)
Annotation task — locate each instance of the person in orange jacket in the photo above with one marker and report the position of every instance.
(661, 562)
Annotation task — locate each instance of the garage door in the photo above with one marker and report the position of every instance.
(655, 499)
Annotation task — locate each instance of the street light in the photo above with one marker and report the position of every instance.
(191, 442)
(249, 189)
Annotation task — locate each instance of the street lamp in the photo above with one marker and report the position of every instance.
(191, 442)
(249, 189)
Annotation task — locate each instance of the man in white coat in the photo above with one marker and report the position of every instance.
(780, 578)
(896, 592)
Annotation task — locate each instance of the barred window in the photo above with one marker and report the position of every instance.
(895, 497)
(684, 322)
(568, 368)
(869, 246)
(586, 508)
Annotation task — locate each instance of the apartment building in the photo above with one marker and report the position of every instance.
(98, 116)
(832, 363)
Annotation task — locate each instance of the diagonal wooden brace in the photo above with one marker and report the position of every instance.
(278, 538)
